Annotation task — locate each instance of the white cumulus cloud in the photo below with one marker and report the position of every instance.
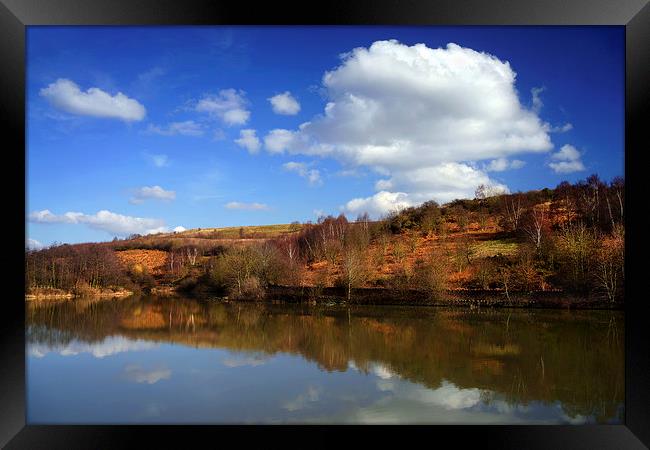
(112, 223)
(151, 192)
(567, 160)
(229, 105)
(278, 140)
(379, 204)
(414, 111)
(442, 182)
(33, 244)
(66, 95)
(248, 139)
(450, 396)
(285, 104)
(179, 229)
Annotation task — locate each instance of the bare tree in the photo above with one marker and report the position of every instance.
(354, 270)
(191, 253)
(609, 265)
(618, 186)
(535, 223)
(513, 209)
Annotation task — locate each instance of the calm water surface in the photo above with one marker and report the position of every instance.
(173, 360)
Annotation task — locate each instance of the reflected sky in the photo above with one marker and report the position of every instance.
(283, 365)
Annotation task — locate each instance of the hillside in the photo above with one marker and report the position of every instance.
(566, 239)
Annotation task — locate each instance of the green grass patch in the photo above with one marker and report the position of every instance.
(505, 247)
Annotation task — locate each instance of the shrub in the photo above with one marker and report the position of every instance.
(187, 284)
(399, 252)
(139, 275)
(400, 279)
(431, 274)
(251, 288)
(576, 245)
(485, 275)
(244, 271)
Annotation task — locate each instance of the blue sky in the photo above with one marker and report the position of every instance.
(144, 129)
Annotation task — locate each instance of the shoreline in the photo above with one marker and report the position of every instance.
(66, 295)
(373, 297)
(462, 298)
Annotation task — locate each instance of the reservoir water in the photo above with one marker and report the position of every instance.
(164, 360)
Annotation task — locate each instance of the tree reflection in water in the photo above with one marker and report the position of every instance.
(571, 358)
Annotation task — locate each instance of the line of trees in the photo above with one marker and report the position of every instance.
(74, 267)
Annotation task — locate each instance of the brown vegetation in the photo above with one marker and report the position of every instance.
(568, 239)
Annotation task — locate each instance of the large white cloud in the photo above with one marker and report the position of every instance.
(285, 104)
(443, 182)
(228, 105)
(66, 95)
(115, 224)
(413, 110)
(151, 192)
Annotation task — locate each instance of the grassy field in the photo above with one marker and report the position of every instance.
(494, 247)
(261, 231)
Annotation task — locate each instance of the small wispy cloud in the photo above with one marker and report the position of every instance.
(567, 160)
(501, 164)
(157, 160)
(537, 100)
(312, 175)
(186, 128)
(563, 128)
(284, 104)
(151, 192)
(139, 374)
(249, 140)
(244, 360)
(247, 206)
(151, 74)
(218, 135)
(229, 105)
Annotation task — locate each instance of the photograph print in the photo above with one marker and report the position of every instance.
(325, 225)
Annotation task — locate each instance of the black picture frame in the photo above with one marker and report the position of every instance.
(634, 15)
